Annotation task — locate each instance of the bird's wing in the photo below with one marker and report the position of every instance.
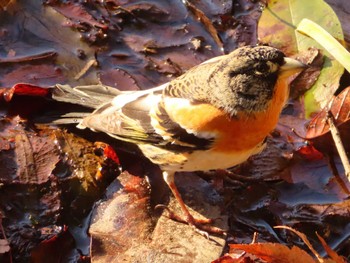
(143, 117)
(140, 117)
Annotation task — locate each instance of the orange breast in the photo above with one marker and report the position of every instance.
(233, 135)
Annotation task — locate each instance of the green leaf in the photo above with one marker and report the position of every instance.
(277, 27)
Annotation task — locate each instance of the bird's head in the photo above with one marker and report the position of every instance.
(245, 80)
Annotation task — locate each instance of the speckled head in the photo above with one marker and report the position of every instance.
(245, 80)
(242, 81)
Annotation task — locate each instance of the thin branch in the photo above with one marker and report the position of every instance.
(338, 179)
(338, 144)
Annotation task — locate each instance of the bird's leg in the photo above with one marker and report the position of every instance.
(169, 179)
(195, 222)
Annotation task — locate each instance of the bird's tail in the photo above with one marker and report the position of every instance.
(87, 97)
(90, 96)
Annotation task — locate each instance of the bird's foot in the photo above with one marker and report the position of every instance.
(200, 225)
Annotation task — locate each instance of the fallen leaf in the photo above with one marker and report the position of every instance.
(33, 157)
(118, 78)
(206, 22)
(29, 58)
(60, 247)
(48, 178)
(24, 89)
(310, 153)
(146, 10)
(334, 256)
(305, 240)
(318, 129)
(77, 12)
(41, 75)
(275, 253)
(277, 28)
(306, 79)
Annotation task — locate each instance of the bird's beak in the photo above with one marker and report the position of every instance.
(292, 64)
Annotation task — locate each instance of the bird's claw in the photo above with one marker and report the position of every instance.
(199, 225)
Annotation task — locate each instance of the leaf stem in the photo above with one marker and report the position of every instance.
(338, 144)
(326, 40)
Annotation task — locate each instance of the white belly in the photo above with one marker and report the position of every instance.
(198, 160)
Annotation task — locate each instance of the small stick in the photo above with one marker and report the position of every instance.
(88, 65)
(338, 179)
(338, 144)
(255, 238)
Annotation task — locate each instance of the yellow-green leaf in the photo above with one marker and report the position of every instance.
(277, 27)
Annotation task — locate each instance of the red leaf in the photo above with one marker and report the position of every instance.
(310, 153)
(24, 89)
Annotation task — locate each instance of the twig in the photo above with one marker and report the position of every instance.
(305, 240)
(85, 69)
(338, 179)
(338, 144)
(255, 238)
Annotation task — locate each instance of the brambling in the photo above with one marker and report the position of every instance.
(214, 116)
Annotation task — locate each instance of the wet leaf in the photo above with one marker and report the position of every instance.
(118, 78)
(123, 223)
(28, 58)
(148, 11)
(33, 157)
(44, 75)
(206, 21)
(23, 89)
(78, 13)
(310, 153)
(277, 27)
(43, 184)
(273, 161)
(34, 34)
(59, 247)
(144, 44)
(318, 128)
(306, 79)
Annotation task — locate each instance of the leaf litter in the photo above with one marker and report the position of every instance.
(138, 45)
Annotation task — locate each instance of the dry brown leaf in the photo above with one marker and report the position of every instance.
(305, 240)
(275, 253)
(339, 106)
(318, 131)
(330, 252)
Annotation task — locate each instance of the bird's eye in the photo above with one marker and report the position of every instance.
(262, 68)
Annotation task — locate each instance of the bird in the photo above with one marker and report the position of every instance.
(214, 116)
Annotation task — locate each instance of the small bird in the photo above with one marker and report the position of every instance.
(214, 116)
